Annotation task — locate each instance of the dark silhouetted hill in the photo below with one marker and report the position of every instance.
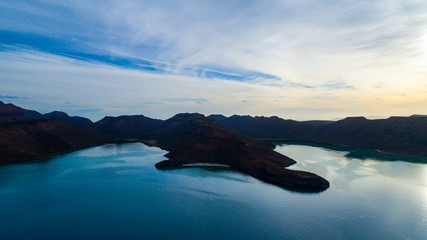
(65, 118)
(135, 126)
(12, 113)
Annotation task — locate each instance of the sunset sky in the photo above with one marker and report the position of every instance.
(308, 59)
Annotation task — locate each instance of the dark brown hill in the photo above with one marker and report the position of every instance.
(35, 139)
(12, 113)
(134, 126)
(65, 118)
(194, 138)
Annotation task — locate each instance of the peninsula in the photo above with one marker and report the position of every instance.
(194, 138)
(189, 138)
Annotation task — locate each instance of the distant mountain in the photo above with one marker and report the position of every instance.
(400, 135)
(265, 127)
(65, 118)
(136, 126)
(218, 117)
(35, 139)
(194, 138)
(418, 115)
(318, 122)
(12, 113)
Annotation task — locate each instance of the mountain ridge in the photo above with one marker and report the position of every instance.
(398, 135)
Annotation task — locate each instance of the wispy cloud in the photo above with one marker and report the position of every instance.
(11, 97)
(338, 84)
(196, 49)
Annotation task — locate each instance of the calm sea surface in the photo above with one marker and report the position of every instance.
(114, 192)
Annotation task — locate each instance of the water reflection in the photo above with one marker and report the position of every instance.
(398, 188)
(338, 165)
(358, 153)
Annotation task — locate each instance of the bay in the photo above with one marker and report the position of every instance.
(115, 192)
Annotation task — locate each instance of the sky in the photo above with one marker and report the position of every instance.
(302, 60)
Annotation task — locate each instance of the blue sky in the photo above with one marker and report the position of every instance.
(308, 59)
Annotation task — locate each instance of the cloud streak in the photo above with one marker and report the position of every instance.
(11, 97)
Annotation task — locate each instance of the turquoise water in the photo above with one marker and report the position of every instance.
(114, 192)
